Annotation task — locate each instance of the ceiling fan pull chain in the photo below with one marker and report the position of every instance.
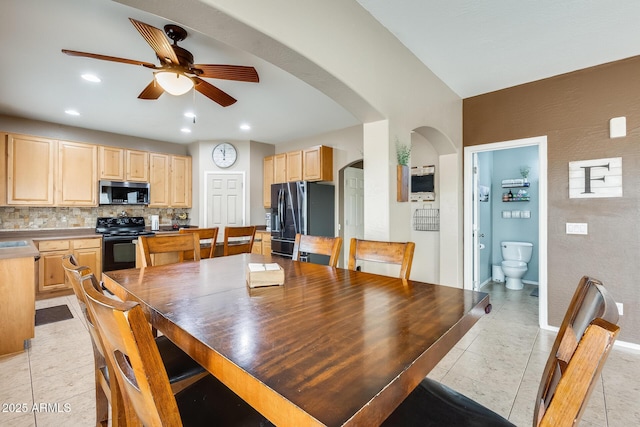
(194, 105)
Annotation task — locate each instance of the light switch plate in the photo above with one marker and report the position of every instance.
(577, 228)
(618, 127)
(620, 308)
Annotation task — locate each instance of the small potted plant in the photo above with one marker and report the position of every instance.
(403, 152)
(524, 171)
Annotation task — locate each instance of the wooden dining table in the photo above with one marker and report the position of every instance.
(330, 347)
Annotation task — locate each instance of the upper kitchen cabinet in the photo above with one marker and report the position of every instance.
(280, 168)
(159, 180)
(267, 180)
(180, 182)
(3, 168)
(294, 166)
(111, 161)
(77, 174)
(170, 181)
(136, 165)
(318, 164)
(30, 170)
(119, 164)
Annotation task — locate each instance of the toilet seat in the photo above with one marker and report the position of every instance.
(514, 264)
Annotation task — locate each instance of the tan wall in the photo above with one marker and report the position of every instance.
(573, 110)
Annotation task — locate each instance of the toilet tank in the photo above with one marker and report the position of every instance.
(516, 251)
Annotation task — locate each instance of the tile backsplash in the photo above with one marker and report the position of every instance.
(25, 218)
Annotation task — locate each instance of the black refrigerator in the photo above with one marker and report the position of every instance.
(301, 207)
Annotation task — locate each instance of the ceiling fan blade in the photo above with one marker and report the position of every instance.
(228, 72)
(152, 91)
(157, 40)
(108, 58)
(213, 93)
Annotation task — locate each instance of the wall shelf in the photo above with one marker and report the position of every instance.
(518, 199)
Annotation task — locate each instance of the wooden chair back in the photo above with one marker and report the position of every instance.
(106, 395)
(130, 348)
(581, 347)
(386, 252)
(205, 234)
(320, 245)
(162, 244)
(244, 245)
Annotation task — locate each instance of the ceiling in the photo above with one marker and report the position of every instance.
(474, 47)
(477, 47)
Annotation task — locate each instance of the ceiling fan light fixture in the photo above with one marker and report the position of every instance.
(174, 83)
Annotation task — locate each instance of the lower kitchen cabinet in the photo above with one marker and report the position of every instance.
(51, 275)
(17, 309)
(262, 243)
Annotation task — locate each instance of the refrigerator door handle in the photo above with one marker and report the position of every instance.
(281, 210)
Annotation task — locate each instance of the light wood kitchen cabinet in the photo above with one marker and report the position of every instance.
(30, 170)
(180, 181)
(170, 181)
(311, 164)
(51, 275)
(294, 166)
(159, 180)
(111, 163)
(119, 164)
(267, 180)
(280, 168)
(318, 163)
(262, 243)
(136, 165)
(17, 310)
(77, 174)
(3, 168)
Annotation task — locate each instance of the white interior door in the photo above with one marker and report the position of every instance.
(353, 207)
(224, 200)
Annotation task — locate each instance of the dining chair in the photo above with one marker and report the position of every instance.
(243, 239)
(577, 357)
(181, 368)
(387, 252)
(210, 234)
(169, 243)
(143, 379)
(319, 245)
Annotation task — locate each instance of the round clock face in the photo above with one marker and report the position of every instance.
(224, 155)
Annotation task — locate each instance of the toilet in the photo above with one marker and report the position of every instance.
(515, 257)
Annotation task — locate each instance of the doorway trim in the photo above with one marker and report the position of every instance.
(469, 151)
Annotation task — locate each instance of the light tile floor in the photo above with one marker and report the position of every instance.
(498, 363)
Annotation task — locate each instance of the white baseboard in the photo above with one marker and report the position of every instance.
(618, 343)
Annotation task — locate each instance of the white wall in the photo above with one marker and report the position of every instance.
(426, 259)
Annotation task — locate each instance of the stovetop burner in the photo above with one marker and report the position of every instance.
(122, 226)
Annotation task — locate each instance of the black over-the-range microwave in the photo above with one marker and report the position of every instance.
(124, 193)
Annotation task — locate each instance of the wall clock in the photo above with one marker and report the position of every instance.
(224, 155)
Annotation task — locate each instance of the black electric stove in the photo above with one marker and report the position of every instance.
(119, 240)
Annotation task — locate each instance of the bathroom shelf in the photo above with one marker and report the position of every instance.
(526, 184)
(518, 199)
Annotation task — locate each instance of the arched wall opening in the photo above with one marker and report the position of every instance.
(438, 255)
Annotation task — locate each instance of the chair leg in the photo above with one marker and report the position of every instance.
(102, 404)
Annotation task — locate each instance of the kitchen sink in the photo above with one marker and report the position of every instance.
(13, 244)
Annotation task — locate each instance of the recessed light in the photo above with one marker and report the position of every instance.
(72, 112)
(185, 130)
(245, 126)
(91, 78)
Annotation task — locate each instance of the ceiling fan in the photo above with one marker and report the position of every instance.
(177, 73)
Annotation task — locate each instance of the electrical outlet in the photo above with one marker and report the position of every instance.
(620, 308)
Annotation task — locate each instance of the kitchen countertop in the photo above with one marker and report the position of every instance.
(63, 233)
(34, 234)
